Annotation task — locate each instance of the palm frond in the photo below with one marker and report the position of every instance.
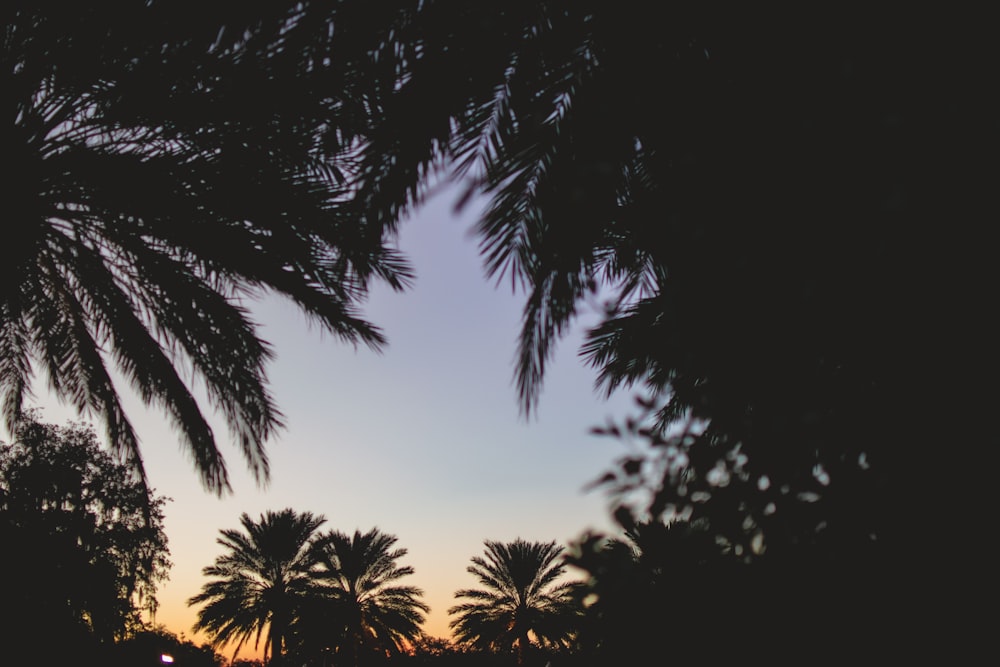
(170, 164)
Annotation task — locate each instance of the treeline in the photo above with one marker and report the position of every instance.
(84, 549)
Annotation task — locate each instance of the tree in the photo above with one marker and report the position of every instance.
(168, 163)
(361, 578)
(521, 599)
(83, 542)
(267, 570)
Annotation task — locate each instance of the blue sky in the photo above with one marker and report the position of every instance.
(424, 440)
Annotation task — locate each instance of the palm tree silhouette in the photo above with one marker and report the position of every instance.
(520, 598)
(267, 571)
(360, 575)
(162, 169)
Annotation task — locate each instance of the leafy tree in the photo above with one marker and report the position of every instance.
(361, 576)
(521, 599)
(267, 570)
(83, 542)
(168, 163)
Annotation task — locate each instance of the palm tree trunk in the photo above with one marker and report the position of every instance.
(356, 647)
(522, 647)
(276, 633)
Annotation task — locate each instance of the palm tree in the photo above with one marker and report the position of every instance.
(162, 168)
(521, 597)
(266, 572)
(360, 575)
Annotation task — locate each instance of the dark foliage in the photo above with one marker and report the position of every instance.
(83, 543)
(768, 202)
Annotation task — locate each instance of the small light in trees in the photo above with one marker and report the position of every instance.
(166, 658)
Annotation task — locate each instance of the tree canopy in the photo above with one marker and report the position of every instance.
(83, 542)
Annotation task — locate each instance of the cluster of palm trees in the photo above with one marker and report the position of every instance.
(328, 597)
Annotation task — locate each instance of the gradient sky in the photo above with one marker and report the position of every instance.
(424, 441)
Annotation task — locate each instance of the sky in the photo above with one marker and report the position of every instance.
(424, 440)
